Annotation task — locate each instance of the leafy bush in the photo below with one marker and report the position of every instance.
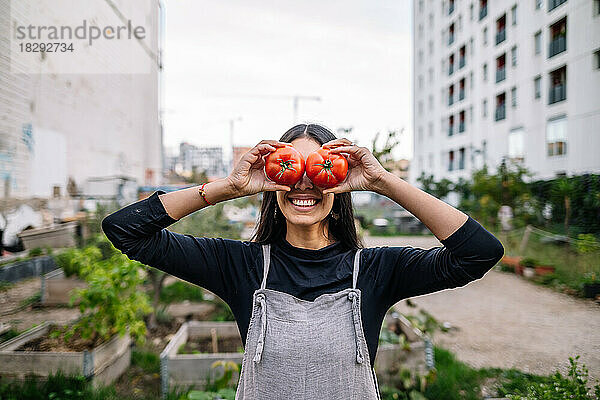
(74, 261)
(146, 360)
(573, 386)
(180, 291)
(36, 252)
(529, 262)
(112, 302)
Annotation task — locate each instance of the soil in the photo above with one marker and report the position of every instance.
(204, 345)
(46, 343)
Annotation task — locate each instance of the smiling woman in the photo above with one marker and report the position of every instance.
(308, 298)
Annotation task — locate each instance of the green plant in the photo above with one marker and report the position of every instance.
(222, 312)
(586, 243)
(35, 252)
(180, 291)
(573, 386)
(529, 262)
(75, 262)
(590, 278)
(225, 380)
(146, 360)
(112, 302)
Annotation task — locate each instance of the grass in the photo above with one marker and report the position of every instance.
(570, 265)
(180, 291)
(146, 360)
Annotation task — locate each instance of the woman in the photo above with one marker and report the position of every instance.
(308, 299)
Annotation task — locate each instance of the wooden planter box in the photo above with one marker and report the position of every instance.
(542, 270)
(56, 287)
(19, 270)
(391, 358)
(62, 235)
(193, 369)
(511, 261)
(103, 365)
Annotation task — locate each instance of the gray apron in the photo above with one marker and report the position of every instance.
(306, 350)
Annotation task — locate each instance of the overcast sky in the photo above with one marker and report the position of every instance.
(223, 59)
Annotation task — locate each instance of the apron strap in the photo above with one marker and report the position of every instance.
(266, 248)
(356, 267)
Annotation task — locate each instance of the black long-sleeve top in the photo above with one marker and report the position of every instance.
(233, 269)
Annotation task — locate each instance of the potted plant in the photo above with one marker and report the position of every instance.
(591, 284)
(528, 265)
(542, 270)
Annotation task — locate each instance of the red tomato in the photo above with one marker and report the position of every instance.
(285, 165)
(325, 169)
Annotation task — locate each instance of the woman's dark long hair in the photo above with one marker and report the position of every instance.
(272, 227)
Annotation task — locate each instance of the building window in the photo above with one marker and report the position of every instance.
(420, 31)
(597, 58)
(461, 122)
(552, 4)
(461, 57)
(513, 97)
(537, 87)
(558, 85)
(451, 64)
(515, 144)
(461, 158)
(461, 89)
(430, 20)
(451, 95)
(430, 75)
(513, 14)
(485, 36)
(501, 29)
(482, 9)
(430, 47)
(420, 108)
(450, 7)
(538, 4)
(501, 68)
(430, 129)
(451, 125)
(430, 102)
(558, 38)
(420, 56)
(513, 56)
(420, 134)
(484, 108)
(460, 23)
(596, 7)
(556, 136)
(485, 72)
(451, 34)
(500, 107)
(538, 42)
(451, 160)
(420, 6)
(471, 12)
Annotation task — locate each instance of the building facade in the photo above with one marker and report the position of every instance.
(506, 79)
(58, 127)
(207, 159)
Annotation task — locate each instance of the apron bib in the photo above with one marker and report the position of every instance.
(306, 350)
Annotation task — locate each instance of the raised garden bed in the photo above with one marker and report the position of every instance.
(56, 287)
(391, 358)
(20, 270)
(194, 369)
(62, 235)
(102, 364)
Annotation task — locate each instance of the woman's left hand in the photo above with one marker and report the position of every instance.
(364, 172)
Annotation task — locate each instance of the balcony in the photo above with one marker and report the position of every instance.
(461, 94)
(450, 100)
(558, 45)
(450, 38)
(557, 93)
(500, 74)
(461, 62)
(450, 69)
(552, 4)
(461, 126)
(500, 112)
(501, 36)
(482, 12)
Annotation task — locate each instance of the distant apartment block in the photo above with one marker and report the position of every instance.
(504, 79)
(207, 159)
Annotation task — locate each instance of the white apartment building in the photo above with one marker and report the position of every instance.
(506, 79)
(58, 127)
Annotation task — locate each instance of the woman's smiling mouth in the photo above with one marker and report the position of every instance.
(303, 204)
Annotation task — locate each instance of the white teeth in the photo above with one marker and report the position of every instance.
(304, 203)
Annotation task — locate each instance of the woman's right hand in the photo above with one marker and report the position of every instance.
(248, 176)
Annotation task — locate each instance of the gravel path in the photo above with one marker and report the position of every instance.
(503, 320)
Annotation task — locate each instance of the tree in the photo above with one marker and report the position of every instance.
(384, 155)
(563, 189)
